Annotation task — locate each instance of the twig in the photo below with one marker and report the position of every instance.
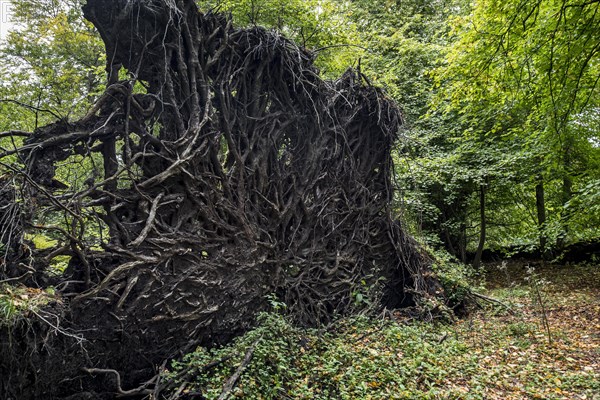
(40, 188)
(493, 300)
(544, 313)
(535, 284)
(104, 284)
(15, 133)
(184, 375)
(18, 278)
(232, 381)
(333, 46)
(30, 107)
(157, 387)
(123, 393)
(80, 339)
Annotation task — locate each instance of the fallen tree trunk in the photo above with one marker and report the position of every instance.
(223, 170)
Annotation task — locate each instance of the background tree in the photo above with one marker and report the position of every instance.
(537, 63)
(52, 62)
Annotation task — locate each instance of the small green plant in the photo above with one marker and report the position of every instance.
(536, 282)
(456, 278)
(519, 329)
(276, 304)
(8, 310)
(360, 295)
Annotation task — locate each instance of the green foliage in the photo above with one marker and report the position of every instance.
(520, 329)
(41, 242)
(536, 56)
(404, 40)
(457, 279)
(59, 264)
(584, 209)
(301, 364)
(52, 63)
(275, 341)
(8, 309)
(519, 85)
(320, 25)
(487, 113)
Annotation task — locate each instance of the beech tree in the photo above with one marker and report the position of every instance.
(531, 70)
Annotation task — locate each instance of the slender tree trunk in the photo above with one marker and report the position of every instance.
(449, 244)
(540, 204)
(567, 193)
(478, 254)
(463, 242)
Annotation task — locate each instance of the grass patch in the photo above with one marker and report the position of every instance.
(18, 302)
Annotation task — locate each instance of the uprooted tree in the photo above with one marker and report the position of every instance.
(220, 168)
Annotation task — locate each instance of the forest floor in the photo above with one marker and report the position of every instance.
(547, 346)
(539, 339)
(496, 352)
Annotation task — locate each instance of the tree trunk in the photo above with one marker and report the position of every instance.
(540, 205)
(567, 194)
(463, 242)
(482, 231)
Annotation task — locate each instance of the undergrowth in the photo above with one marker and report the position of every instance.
(492, 354)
